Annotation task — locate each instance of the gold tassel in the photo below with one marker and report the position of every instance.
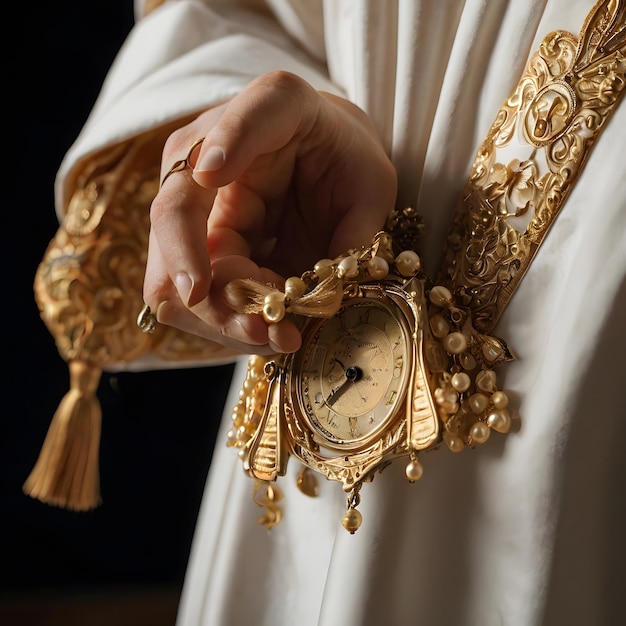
(67, 471)
(246, 295)
(322, 301)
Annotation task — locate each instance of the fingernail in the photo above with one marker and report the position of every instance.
(160, 312)
(211, 160)
(184, 284)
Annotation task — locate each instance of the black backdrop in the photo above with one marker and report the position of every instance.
(158, 427)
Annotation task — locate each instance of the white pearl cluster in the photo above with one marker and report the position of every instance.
(467, 399)
(468, 402)
(249, 409)
(355, 266)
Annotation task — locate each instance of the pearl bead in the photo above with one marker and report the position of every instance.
(294, 288)
(348, 267)
(323, 268)
(500, 400)
(408, 263)
(414, 470)
(468, 362)
(449, 407)
(454, 443)
(461, 381)
(500, 420)
(445, 394)
(377, 267)
(480, 432)
(238, 415)
(231, 437)
(486, 380)
(351, 520)
(478, 403)
(439, 326)
(440, 296)
(274, 307)
(455, 343)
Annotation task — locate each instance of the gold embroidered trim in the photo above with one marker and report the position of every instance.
(551, 122)
(89, 283)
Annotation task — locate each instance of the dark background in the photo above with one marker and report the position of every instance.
(158, 428)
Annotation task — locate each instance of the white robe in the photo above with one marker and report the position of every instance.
(527, 530)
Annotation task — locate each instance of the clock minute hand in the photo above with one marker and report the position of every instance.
(353, 374)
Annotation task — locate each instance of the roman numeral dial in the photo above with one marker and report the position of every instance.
(353, 372)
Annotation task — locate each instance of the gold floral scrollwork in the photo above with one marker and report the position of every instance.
(565, 97)
(89, 283)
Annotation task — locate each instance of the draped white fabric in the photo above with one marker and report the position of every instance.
(527, 530)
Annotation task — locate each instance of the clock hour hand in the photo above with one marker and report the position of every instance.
(353, 374)
(341, 365)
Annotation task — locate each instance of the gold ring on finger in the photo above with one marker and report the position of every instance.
(179, 166)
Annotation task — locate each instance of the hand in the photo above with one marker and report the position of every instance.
(285, 176)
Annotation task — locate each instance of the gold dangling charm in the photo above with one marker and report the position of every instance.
(352, 518)
(267, 496)
(307, 482)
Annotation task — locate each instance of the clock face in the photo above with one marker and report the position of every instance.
(352, 372)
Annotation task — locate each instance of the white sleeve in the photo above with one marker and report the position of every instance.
(183, 57)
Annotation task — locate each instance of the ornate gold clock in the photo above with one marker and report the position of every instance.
(352, 371)
(390, 366)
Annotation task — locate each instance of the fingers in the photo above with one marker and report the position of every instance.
(181, 209)
(274, 110)
(245, 333)
(369, 179)
(279, 120)
(374, 198)
(179, 213)
(281, 338)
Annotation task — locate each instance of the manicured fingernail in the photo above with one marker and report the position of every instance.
(211, 160)
(161, 312)
(184, 284)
